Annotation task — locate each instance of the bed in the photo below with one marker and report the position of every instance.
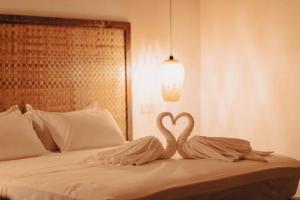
(63, 64)
(61, 176)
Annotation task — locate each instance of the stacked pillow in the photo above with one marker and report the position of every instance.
(84, 129)
(17, 137)
(36, 133)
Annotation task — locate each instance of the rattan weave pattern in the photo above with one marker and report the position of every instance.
(63, 68)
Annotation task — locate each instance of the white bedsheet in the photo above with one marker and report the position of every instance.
(61, 177)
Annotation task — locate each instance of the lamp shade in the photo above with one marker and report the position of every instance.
(172, 79)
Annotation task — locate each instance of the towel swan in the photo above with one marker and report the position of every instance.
(225, 149)
(140, 151)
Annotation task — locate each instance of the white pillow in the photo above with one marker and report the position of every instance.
(17, 137)
(41, 129)
(83, 129)
(14, 109)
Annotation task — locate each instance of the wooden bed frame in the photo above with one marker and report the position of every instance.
(62, 65)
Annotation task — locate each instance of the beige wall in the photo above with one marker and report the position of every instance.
(250, 72)
(149, 19)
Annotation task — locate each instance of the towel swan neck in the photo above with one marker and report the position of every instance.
(170, 149)
(183, 137)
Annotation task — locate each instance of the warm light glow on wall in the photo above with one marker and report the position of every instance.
(172, 78)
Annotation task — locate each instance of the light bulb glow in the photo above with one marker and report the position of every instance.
(172, 78)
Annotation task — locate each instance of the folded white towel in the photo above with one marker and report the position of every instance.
(225, 149)
(220, 148)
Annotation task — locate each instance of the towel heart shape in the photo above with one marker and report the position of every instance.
(189, 126)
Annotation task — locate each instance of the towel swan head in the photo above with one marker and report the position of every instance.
(170, 149)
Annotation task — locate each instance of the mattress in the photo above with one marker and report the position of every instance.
(63, 177)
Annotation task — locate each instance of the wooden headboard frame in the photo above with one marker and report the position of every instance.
(108, 28)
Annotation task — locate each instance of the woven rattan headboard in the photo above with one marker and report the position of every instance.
(63, 65)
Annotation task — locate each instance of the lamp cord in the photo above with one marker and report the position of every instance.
(171, 33)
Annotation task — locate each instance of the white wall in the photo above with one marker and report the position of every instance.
(150, 37)
(250, 72)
